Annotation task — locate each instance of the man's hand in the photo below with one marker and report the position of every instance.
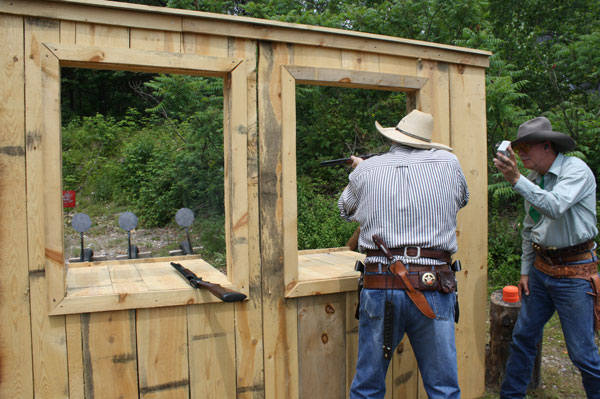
(355, 161)
(524, 285)
(508, 166)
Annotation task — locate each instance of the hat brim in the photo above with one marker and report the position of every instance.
(561, 141)
(397, 136)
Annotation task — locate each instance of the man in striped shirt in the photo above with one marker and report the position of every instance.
(409, 197)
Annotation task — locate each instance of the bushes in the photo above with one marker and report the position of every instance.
(319, 221)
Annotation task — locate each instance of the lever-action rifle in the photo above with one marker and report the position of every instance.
(347, 161)
(224, 294)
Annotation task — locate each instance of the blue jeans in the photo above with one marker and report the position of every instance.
(569, 297)
(432, 342)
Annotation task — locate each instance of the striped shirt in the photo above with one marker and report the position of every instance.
(409, 197)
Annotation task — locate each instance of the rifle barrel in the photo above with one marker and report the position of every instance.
(346, 161)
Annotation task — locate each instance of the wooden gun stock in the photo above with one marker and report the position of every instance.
(224, 294)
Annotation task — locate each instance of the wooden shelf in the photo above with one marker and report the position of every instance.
(136, 283)
(325, 271)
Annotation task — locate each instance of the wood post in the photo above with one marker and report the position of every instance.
(503, 317)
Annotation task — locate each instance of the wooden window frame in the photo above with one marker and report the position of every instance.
(340, 279)
(235, 129)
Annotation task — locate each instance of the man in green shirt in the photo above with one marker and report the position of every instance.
(559, 260)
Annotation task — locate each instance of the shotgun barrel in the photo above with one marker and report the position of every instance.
(224, 294)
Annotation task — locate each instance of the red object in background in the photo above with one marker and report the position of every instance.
(510, 294)
(69, 198)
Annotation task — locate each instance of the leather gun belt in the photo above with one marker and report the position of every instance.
(422, 278)
(562, 256)
(415, 252)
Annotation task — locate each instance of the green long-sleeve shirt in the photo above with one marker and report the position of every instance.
(567, 205)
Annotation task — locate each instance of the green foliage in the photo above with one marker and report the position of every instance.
(319, 222)
(504, 247)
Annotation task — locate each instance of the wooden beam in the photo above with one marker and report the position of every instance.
(139, 16)
(141, 60)
(355, 79)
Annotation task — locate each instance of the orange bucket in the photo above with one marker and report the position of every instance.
(510, 294)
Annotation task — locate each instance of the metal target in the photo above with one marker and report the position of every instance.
(128, 221)
(184, 217)
(81, 222)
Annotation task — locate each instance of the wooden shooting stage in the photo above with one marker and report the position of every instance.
(129, 329)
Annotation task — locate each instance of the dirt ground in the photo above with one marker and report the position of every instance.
(105, 237)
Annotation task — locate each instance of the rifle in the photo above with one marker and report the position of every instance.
(347, 161)
(224, 294)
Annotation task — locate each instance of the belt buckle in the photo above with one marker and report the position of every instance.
(412, 257)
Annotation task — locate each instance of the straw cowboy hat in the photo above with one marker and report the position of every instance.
(540, 129)
(414, 130)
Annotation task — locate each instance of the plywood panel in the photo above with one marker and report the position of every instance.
(16, 379)
(109, 355)
(212, 352)
(248, 314)
(48, 334)
(162, 345)
(468, 130)
(279, 323)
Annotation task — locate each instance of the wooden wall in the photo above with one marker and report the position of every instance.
(269, 346)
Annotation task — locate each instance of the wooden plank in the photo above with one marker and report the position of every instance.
(351, 338)
(360, 61)
(140, 300)
(89, 281)
(126, 279)
(141, 60)
(468, 138)
(163, 353)
(322, 342)
(280, 322)
(434, 98)
(248, 314)
(236, 174)
(356, 79)
(404, 381)
(48, 334)
(95, 12)
(75, 358)
(132, 15)
(211, 336)
(316, 57)
(288, 176)
(101, 35)
(109, 355)
(146, 39)
(216, 46)
(16, 379)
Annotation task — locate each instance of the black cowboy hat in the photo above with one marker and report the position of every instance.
(540, 129)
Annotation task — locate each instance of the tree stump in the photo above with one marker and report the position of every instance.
(503, 316)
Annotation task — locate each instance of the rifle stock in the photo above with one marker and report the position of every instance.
(224, 294)
(346, 161)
